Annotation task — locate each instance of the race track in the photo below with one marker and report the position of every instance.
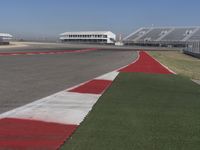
(26, 78)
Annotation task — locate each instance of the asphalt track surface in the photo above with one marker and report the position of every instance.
(26, 78)
(35, 46)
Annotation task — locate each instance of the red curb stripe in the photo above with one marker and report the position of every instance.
(93, 87)
(146, 64)
(19, 134)
(47, 52)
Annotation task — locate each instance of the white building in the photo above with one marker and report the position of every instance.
(98, 37)
(5, 38)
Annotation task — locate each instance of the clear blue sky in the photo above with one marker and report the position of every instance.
(37, 18)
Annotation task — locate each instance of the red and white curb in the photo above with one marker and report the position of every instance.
(47, 52)
(147, 64)
(62, 111)
(48, 122)
(66, 107)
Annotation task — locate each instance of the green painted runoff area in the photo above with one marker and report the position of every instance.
(143, 112)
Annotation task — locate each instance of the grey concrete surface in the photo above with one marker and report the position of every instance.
(24, 79)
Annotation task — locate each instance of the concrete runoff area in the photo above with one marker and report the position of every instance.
(25, 79)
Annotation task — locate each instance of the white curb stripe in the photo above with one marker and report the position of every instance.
(109, 76)
(63, 107)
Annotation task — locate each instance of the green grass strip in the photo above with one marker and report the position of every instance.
(143, 112)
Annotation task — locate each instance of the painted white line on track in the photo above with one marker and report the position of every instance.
(196, 81)
(164, 66)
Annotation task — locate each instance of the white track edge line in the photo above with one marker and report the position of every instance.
(163, 65)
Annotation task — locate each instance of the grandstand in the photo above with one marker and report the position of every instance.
(5, 38)
(195, 36)
(187, 38)
(164, 36)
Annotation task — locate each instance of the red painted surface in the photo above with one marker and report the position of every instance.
(93, 87)
(146, 64)
(47, 52)
(17, 134)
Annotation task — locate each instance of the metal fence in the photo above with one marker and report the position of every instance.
(193, 48)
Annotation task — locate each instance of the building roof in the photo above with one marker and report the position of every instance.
(5, 35)
(87, 32)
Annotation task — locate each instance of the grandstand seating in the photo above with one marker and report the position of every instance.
(187, 38)
(176, 34)
(138, 34)
(154, 34)
(179, 34)
(195, 36)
